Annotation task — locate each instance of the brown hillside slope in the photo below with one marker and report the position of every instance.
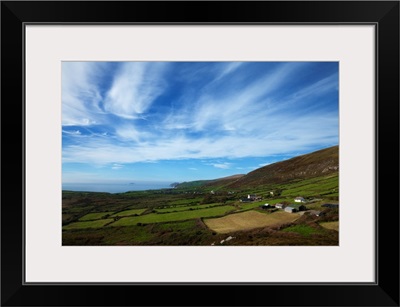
(321, 162)
(224, 181)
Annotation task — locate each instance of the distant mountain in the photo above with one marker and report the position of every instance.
(315, 164)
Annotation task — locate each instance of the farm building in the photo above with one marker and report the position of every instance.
(280, 206)
(290, 209)
(295, 208)
(299, 200)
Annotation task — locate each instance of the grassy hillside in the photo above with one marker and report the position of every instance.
(318, 163)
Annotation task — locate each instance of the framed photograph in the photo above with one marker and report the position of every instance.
(240, 147)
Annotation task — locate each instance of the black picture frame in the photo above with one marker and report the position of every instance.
(383, 14)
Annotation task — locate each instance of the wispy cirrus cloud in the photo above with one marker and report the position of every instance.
(80, 93)
(135, 87)
(227, 69)
(72, 132)
(224, 165)
(117, 166)
(129, 132)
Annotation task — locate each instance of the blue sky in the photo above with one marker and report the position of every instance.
(182, 121)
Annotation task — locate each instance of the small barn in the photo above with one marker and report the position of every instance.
(299, 199)
(279, 206)
(290, 209)
(295, 208)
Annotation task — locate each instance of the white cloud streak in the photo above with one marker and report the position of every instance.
(80, 95)
(74, 132)
(117, 166)
(129, 132)
(134, 88)
(222, 165)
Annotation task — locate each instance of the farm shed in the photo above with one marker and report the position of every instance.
(279, 206)
(290, 209)
(299, 200)
(295, 207)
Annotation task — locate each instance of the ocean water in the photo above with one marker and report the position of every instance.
(115, 187)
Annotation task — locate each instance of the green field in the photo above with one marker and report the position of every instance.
(252, 205)
(185, 208)
(129, 212)
(312, 187)
(304, 230)
(174, 216)
(185, 201)
(90, 224)
(95, 216)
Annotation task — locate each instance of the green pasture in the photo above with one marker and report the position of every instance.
(95, 216)
(185, 208)
(129, 212)
(185, 201)
(252, 205)
(304, 230)
(310, 187)
(173, 216)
